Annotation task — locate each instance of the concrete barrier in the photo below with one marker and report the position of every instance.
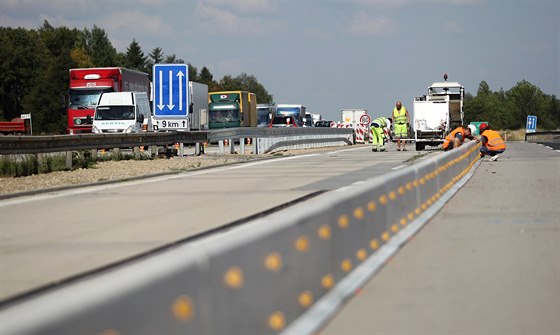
(278, 274)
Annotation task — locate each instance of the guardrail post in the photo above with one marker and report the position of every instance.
(93, 153)
(69, 160)
(181, 149)
(232, 146)
(221, 146)
(116, 152)
(154, 150)
(242, 146)
(136, 152)
(255, 146)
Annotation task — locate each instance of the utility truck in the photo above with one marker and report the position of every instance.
(437, 113)
(87, 84)
(229, 109)
(297, 111)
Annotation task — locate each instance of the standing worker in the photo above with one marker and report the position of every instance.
(402, 120)
(492, 143)
(379, 128)
(455, 138)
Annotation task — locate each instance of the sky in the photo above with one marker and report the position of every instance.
(330, 55)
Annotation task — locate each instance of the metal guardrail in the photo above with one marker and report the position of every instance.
(265, 277)
(61, 143)
(543, 137)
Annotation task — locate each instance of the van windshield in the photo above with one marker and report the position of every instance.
(114, 113)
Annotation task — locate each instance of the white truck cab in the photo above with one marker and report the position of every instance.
(437, 113)
(122, 112)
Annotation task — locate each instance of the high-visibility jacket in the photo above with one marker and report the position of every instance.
(495, 141)
(447, 140)
(399, 116)
(381, 121)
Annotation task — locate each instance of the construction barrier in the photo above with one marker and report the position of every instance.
(277, 274)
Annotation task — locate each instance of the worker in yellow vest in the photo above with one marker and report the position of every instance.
(401, 123)
(492, 143)
(380, 130)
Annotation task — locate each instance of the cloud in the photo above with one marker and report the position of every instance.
(245, 6)
(363, 24)
(316, 33)
(218, 20)
(453, 27)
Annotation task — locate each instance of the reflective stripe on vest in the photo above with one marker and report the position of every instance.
(495, 141)
(400, 116)
(451, 136)
(381, 121)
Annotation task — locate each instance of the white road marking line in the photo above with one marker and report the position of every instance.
(398, 167)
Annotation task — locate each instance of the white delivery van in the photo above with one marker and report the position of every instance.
(122, 112)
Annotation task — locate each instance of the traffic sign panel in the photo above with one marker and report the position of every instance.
(531, 124)
(366, 119)
(171, 98)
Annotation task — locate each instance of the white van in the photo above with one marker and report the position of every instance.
(122, 112)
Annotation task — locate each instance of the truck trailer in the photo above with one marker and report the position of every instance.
(197, 117)
(86, 85)
(228, 109)
(437, 113)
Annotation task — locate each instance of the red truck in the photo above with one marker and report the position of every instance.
(15, 127)
(86, 85)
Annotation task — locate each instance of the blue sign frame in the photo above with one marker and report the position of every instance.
(171, 87)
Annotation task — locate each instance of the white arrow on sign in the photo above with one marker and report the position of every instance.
(170, 105)
(160, 105)
(180, 75)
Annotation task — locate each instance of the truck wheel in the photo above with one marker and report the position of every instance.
(419, 146)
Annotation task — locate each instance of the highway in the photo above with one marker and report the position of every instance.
(48, 238)
(487, 263)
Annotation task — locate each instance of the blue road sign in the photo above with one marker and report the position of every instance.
(531, 124)
(171, 98)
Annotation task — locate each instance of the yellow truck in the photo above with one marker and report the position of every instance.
(230, 109)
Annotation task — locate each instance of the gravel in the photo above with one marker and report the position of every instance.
(121, 170)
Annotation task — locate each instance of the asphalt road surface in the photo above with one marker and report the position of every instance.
(487, 263)
(50, 237)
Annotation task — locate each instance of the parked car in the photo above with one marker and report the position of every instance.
(323, 123)
(283, 121)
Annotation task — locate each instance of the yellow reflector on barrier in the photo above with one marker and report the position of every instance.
(361, 254)
(183, 308)
(305, 299)
(324, 232)
(374, 244)
(302, 244)
(273, 262)
(343, 221)
(277, 321)
(327, 281)
(371, 206)
(346, 265)
(234, 278)
(359, 213)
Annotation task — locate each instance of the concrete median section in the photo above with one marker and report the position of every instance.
(487, 263)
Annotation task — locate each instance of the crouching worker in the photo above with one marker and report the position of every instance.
(380, 127)
(492, 143)
(457, 137)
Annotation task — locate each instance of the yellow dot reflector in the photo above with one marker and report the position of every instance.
(395, 228)
(415, 183)
(424, 206)
(422, 181)
(409, 186)
(277, 321)
(346, 265)
(324, 232)
(383, 199)
(392, 195)
(371, 206)
(302, 244)
(305, 299)
(327, 281)
(343, 221)
(273, 262)
(374, 244)
(403, 222)
(359, 213)
(234, 278)
(418, 211)
(410, 216)
(361, 254)
(385, 236)
(183, 308)
(401, 190)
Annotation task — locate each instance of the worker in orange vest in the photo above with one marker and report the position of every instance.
(492, 143)
(455, 138)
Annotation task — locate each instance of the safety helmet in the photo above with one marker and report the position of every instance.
(472, 128)
(483, 127)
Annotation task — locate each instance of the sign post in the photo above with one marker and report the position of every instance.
(28, 117)
(531, 124)
(171, 96)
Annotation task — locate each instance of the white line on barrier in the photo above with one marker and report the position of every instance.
(319, 314)
(398, 167)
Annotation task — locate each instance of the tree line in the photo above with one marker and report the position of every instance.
(34, 66)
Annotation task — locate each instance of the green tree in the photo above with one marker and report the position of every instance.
(134, 57)
(245, 82)
(97, 45)
(154, 57)
(22, 52)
